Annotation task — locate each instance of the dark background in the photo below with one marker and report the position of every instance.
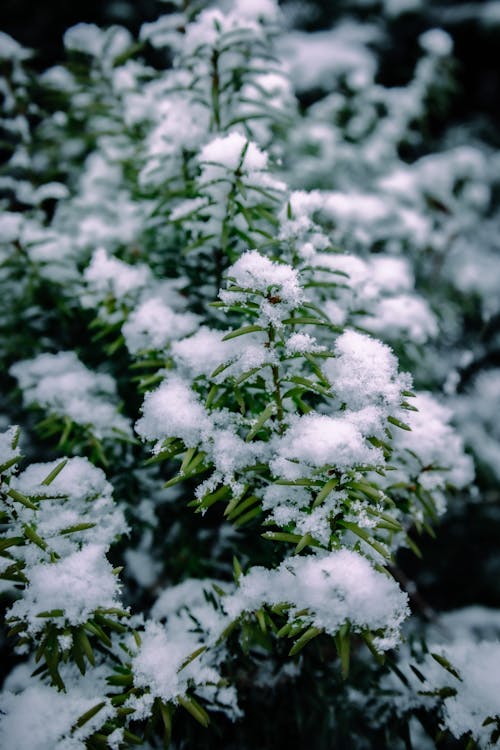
(40, 25)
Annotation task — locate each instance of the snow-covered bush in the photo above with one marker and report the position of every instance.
(231, 337)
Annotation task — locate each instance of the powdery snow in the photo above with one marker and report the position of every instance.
(61, 384)
(318, 440)
(154, 324)
(78, 494)
(478, 694)
(365, 372)
(435, 443)
(173, 409)
(402, 315)
(232, 151)
(336, 588)
(12, 50)
(157, 664)
(36, 715)
(319, 59)
(107, 275)
(254, 271)
(77, 585)
(478, 421)
(302, 343)
(202, 352)
(7, 452)
(79, 479)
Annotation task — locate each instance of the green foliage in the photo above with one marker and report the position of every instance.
(223, 459)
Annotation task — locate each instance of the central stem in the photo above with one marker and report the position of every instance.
(276, 383)
(215, 89)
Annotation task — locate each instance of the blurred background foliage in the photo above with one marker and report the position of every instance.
(463, 566)
(469, 571)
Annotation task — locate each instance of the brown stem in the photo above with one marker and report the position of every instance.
(277, 386)
(215, 89)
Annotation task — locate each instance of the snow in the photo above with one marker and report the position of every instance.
(435, 444)
(457, 178)
(139, 563)
(187, 207)
(374, 293)
(353, 210)
(116, 739)
(121, 205)
(79, 584)
(205, 350)
(473, 696)
(365, 372)
(318, 440)
(229, 151)
(473, 264)
(436, 42)
(153, 325)
(335, 588)
(255, 272)
(79, 479)
(177, 120)
(10, 226)
(302, 343)
(7, 452)
(158, 665)
(477, 420)
(478, 693)
(103, 214)
(84, 37)
(212, 24)
(356, 220)
(108, 275)
(173, 409)
(316, 60)
(59, 77)
(474, 623)
(233, 171)
(402, 315)
(468, 639)
(188, 595)
(226, 161)
(398, 7)
(35, 712)
(262, 10)
(12, 50)
(355, 207)
(488, 13)
(286, 506)
(91, 40)
(191, 622)
(61, 384)
(230, 452)
(390, 274)
(164, 32)
(356, 269)
(158, 661)
(78, 494)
